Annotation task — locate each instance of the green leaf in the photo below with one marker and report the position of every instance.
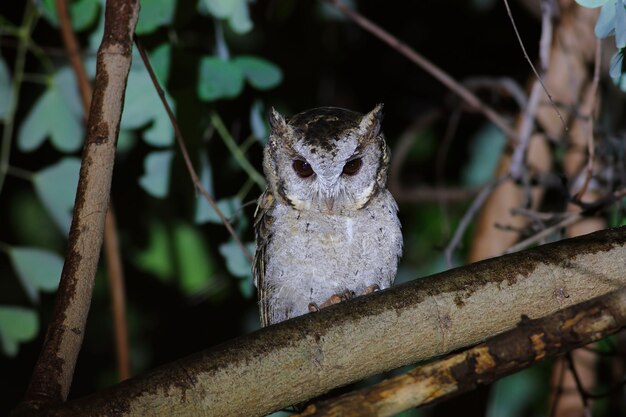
(17, 325)
(6, 90)
(592, 3)
(196, 269)
(156, 178)
(206, 178)
(235, 11)
(30, 222)
(485, 150)
(617, 61)
(228, 207)
(239, 19)
(82, 13)
(258, 123)
(620, 25)
(221, 9)
(57, 114)
(160, 61)
(157, 257)
(236, 261)
(37, 269)
(605, 25)
(260, 73)
(142, 105)
(219, 79)
(155, 13)
(56, 187)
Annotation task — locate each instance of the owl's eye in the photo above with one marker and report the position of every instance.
(353, 166)
(302, 168)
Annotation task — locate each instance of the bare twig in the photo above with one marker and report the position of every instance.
(502, 85)
(115, 273)
(567, 221)
(588, 112)
(547, 14)
(28, 23)
(469, 215)
(183, 149)
(579, 386)
(442, 154)
(426, 65)
(403, 146)
(527, 124)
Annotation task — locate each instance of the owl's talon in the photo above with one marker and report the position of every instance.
(371, 289)
(334, 299)
(313, 308)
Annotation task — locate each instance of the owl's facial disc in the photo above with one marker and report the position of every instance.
(326, 159)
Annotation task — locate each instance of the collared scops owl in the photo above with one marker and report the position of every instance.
(326, 225)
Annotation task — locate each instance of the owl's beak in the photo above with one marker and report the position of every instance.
(330, 202)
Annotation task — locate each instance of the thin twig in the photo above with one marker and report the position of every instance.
(237, 153)
(558, 389)
(568, 221)
(547, 13)
(502, 85)
(28, 23)
(440, 164)
(469, 215)
(403, 146)
(183, 149)
(579, 386)
(426, 65)
(527, 123)
(589, 118)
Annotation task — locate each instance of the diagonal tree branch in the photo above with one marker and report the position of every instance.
(52, 376)
(530, 342)
(301, 358)
(112, 253)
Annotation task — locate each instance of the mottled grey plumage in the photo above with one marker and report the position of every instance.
(326, 223)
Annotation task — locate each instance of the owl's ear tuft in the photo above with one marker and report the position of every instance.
(277, 122)
(369, 126)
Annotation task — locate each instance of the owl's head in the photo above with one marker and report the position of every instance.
(327, 159)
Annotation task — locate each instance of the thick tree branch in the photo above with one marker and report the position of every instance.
(301, 358)
(54, 370)
(531, 341)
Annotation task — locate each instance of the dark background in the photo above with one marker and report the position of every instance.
(325, 61)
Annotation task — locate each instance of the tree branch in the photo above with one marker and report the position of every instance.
(530, 342)
(52, 376)
(301, 358)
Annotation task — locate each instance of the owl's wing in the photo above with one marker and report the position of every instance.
(262, 229)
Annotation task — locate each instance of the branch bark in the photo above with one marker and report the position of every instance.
(52, 376)
(301, 358)
(112, 253)
(531, 341)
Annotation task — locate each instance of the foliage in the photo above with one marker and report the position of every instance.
(612, 22)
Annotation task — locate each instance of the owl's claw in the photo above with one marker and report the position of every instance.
(313, 308)
(371, 289)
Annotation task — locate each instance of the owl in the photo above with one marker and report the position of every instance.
(326, 226)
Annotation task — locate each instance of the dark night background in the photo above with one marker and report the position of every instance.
(324, 61)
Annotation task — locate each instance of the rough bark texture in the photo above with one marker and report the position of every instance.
(54, 370)
(298, 359)
(531, 341)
